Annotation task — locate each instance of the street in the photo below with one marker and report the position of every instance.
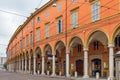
(5, 75)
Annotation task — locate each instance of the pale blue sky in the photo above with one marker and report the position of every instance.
(10, 22)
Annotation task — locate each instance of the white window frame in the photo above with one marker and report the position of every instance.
(31, 37)
(37, 34)
(96, 11)
(74, 19)
(47, 30)
(74, 0)
(27, 40)
(59, 28)
(59, 7)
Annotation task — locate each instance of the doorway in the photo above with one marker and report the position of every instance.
(64, 64)
(79, 67)
(96, 67)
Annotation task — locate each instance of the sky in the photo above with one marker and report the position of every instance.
(10, 22)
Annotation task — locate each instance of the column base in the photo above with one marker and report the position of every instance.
(53, 75)
(67, 75)
(111, 78)
(34, 73)
(42, 74)
(85, 76)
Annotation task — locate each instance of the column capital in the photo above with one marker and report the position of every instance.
(67, 51)
(110, 45)
(34, 56)
(43, 55)
(85, 49)
(29, 57)
(53, 54)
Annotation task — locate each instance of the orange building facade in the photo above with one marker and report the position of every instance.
(68, 38)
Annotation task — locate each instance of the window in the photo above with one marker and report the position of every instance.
(59, 26)
(95, 11)
(26, 28)
(32, 23)
(117, 41)
(74, 19)
(20, 34)
(47, 30)
(96, 45)
(79, 47)
(38, 19)
(37, 34)
(27, 42)
(47, 14)
(59, 7)
(74, 0)
(31, 37)
(22, 44)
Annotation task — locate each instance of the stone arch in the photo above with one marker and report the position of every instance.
(95, 35)
(38, 59)
(47, 47)
(60, 49)
(115, 32)
(48, 58)
(56, 44)
(38, 50)
(76, 49)
(73, 39)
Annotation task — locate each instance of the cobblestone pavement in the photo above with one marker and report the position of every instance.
(5, 75)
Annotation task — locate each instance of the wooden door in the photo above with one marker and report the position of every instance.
(79, 67)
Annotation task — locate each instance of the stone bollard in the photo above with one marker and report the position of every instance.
(108, 78)
(97, 75)
(60, 73)
(76, 74)
(38, 72)
(48, 72)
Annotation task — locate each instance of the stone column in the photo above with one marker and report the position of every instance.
(25, 63)
(29, 64)
(67, 63)
(85, 63)
(111, 61)
(34, 65)
(53, 66)
(9, 68)
(19, 65)
(43, 65)
(22, 64)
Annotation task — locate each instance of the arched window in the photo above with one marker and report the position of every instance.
(38, 19)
